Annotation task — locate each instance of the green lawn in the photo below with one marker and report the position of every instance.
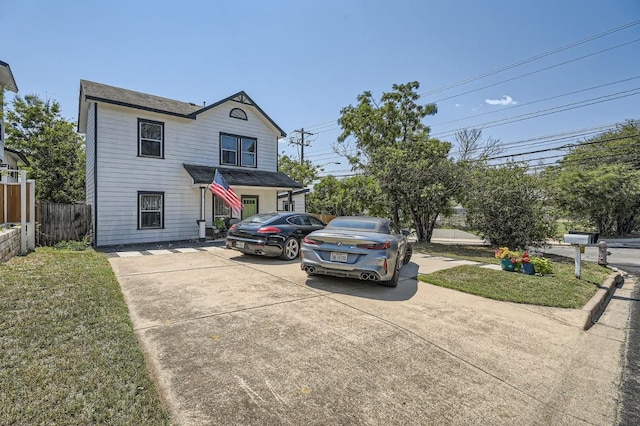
(562, 289)
(68, 353)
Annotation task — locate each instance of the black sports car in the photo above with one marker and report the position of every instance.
(272, 234)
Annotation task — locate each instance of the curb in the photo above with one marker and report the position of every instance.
(599, 301)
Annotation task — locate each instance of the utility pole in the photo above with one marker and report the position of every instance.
(301, 142)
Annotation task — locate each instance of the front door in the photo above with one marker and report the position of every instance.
(250, 204)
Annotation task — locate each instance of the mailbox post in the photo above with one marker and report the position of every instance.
(579, 241)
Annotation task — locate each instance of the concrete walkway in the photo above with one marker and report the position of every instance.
(245, 340)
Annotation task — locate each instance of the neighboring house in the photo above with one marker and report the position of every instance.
(296, 203)
(10, 159)
(14, 159)
(9, 83)
(150, 161)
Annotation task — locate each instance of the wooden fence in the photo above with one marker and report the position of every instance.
(12, 191)
(62, 222)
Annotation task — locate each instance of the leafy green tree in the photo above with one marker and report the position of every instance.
(392, 145)
(357, 195)
(507, 206)
(55, 151)
(599, 181)
(304, 173)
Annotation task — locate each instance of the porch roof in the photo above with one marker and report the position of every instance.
(241, 177)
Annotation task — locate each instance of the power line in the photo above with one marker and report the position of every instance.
(536, 101)
(522, 62)
(531, 59)
(301, 142)
(548, 111)
(538, 71)
(563, 147)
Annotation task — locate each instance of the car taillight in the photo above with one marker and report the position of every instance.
(269, 230)
(308, 240)
(381, 246)
(232, 227)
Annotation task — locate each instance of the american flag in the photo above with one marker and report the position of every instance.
(221, 188)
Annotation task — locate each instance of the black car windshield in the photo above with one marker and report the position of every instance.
(260, 218)
(359, 224)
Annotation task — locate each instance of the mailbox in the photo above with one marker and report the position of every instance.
(593, 236)
(577, 239)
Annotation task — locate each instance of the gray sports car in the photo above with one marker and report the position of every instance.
(356, 247)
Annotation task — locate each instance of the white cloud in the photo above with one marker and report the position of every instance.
(457, 105)
(506, 100)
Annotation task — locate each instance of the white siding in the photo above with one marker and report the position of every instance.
(121, 173)
(89, 150)
(298, 203)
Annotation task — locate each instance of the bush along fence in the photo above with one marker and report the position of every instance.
(62, 222)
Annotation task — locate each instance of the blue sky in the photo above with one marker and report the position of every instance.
(303, 61)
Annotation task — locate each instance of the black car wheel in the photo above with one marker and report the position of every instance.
(407, 254)
(393, 282)
(290, 249)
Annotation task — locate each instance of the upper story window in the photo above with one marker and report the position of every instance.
(238, 150)
(238, 113)
(150, 138)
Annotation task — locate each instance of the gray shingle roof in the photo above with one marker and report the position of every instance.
(125, 97)
(241, 177)
(129, 98)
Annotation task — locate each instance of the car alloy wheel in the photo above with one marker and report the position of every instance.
(290, 249)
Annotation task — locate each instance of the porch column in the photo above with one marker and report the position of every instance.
(202, 233)
(31, 226)
(23, 212)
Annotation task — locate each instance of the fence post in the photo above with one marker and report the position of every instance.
(23, 212)
(31, 229)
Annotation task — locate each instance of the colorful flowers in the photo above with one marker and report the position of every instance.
(502, 253)
(517, 261)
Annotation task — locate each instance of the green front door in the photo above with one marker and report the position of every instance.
(250, 204)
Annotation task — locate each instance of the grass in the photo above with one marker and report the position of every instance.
(68, 352)
(562, 289)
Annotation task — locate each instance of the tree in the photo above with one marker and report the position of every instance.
(506, 205)
(392, 144)
(470, 145)
(599, 181)
(55, 151)
(304, 173)
(357, 195)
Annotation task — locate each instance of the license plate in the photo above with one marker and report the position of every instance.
(240, 244)
(338, 257)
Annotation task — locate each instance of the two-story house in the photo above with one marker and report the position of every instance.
(150, 161)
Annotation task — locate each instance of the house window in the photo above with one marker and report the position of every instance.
(150, 210)
(289, 207)
(238, 113)
(150, 138)
(220, 209)
(238, 150)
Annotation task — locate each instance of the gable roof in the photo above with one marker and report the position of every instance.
(241, 177)
(6, 78)
(99, 92)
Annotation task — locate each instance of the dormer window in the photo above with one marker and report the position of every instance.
(238, 113)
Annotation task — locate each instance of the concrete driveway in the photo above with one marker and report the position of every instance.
(238, 339)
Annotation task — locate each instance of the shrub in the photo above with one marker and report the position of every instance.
(542, 265)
